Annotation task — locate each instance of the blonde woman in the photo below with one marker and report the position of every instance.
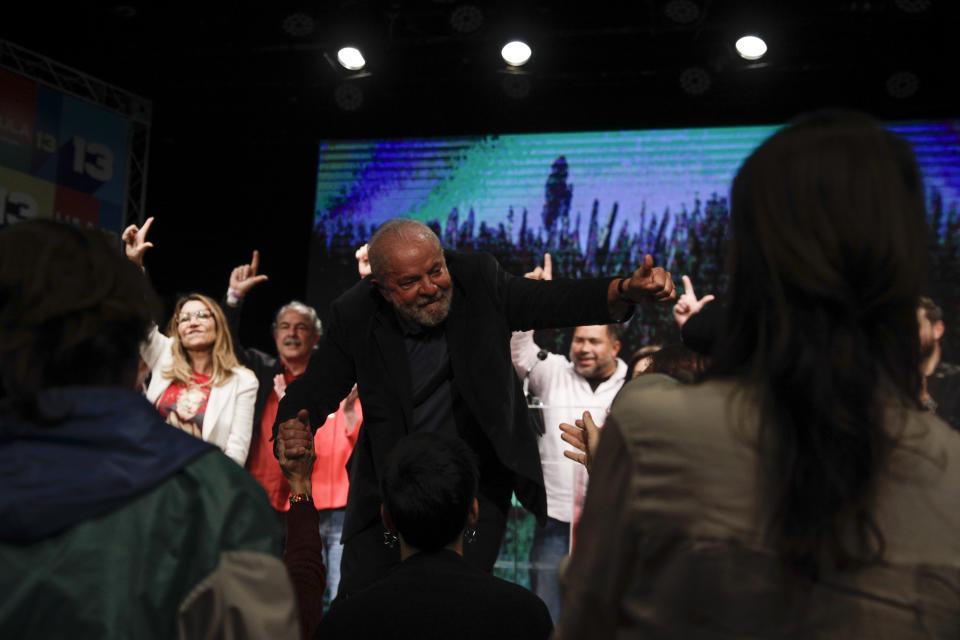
(196, 382)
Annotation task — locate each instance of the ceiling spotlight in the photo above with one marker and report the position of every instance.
(695, 81)
(126, 11)
(516, 53)
(516, 87)
(902, 84)
(466, 18)
(348, 96)
(682, 11)
(351, 58)
(913, 6)
(751, 47)
(298, 25)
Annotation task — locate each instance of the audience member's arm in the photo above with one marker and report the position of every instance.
(602, 564)
(585, 436)
(523, 350)
(687, 304)
(135, 246)
(243, 278)
(304, 550)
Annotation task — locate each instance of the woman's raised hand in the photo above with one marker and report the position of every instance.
(135, 242)
(244, 277)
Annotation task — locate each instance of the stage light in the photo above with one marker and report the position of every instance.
(695, 81)
(751, 47)
(351, 58)
(913, 6)
(682, 11)
(298, 25)
(516, 53)
(466, 18)
(516, 87)
(903, 84)
(348, 96)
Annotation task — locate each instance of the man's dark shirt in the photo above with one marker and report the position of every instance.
(943, 385)
(430, 377)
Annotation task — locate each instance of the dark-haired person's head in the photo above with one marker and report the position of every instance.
(429, 488)
(72, 310)
(677, 361)
(826, 260)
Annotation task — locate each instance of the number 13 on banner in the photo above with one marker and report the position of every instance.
(92, 159)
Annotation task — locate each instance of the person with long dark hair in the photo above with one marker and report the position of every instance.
(800, 490)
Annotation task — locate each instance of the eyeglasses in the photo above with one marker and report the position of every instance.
(199, 315)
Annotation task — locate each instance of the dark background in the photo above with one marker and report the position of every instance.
(242, 92)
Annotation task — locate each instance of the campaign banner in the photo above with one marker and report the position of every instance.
(60, 157)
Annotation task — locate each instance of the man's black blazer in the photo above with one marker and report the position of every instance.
(364, 344)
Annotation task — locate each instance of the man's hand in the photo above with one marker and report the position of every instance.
(649, 283)
(244, 277)
(294, 437)
(135, 242)
(687, 304)
(585, 436)
(363, 261)
(542, 273)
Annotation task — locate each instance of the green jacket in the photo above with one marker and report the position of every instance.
(142, 547)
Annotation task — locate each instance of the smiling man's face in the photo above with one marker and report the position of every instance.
(295, 336)
(593, 351)
(417, 283)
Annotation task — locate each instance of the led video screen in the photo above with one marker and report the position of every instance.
(597, 201)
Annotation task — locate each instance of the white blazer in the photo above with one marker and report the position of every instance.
(228, 419)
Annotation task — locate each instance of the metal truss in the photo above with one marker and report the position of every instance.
(136, 109)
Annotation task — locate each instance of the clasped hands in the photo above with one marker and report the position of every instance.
(294, 437)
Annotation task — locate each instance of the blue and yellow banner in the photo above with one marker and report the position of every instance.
(60, 157)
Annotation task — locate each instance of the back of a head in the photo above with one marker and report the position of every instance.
(428, 486)
(677, 361)
(827, 260)
(828, 220)
(72, 311)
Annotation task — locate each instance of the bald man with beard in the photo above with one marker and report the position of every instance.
(426, 338)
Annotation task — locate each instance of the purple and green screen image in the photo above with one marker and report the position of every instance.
(597, 201)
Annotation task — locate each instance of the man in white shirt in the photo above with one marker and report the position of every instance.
(588, 381)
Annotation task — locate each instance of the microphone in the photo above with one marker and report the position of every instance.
(532, 400)
(534, 405)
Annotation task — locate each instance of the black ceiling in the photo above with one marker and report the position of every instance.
(266, 70)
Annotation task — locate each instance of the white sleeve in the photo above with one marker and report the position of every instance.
(241, 431)
(152, 349)
(523, 351)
